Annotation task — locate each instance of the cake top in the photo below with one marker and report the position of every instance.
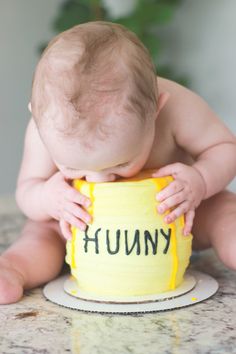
(141, 176)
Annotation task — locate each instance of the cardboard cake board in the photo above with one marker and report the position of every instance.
(195, 288)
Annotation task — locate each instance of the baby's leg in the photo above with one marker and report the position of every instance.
(35, 258)
(215, 225)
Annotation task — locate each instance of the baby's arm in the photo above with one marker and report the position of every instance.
(36, 168)
(42, 192)
(197, 130)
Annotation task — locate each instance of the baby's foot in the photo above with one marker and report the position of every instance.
(11, 283)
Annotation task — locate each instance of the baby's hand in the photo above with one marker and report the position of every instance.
(65, 203)
(183, 195)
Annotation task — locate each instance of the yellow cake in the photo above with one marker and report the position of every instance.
(128, 249)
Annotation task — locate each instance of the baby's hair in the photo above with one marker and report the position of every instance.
(89, 71)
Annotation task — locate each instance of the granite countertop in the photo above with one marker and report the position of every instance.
(35, 325)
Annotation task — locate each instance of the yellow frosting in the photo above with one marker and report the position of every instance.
(128, 249)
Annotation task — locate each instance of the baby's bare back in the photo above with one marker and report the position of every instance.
(185, 127)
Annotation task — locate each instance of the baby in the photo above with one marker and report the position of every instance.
(100, 113)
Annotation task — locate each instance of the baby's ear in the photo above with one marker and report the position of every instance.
(162, 99)
(29, 107)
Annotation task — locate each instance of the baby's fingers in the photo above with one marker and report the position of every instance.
(65, 229)
(180, 210)
(74, 196)
(74, 221)
(172, 201)
(78, 212)
(189, 217)
(173, 188)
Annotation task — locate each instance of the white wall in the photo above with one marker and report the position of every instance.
(199, 43)
(24, 25)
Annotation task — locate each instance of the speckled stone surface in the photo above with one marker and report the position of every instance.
(35, 325)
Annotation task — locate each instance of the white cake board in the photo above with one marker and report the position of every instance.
(205, 287)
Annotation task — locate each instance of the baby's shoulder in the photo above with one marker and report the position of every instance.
(34, 147)
(178, 92)
(36, 161)
(182, 101)
(32, 136)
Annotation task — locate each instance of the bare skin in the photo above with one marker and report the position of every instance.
(46, 247)
(184, 130)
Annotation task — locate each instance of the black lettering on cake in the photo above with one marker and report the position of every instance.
(117, 242)
(87, 239)
(136, 243)
(167, 237)
(145, 242)
(154, 243)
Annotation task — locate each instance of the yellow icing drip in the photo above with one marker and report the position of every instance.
(173, 248)
(73, 230)
(73, 292)
(73, 263)
(174, 256)
(160, 184)
(91, 195)
(78, 184)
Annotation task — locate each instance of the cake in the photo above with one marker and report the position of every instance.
(127, 249)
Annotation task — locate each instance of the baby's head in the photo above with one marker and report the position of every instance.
(94, 100)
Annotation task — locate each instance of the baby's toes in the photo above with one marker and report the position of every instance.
(11, 285)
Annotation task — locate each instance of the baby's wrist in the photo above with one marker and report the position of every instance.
(203, 182)
(45, 203)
